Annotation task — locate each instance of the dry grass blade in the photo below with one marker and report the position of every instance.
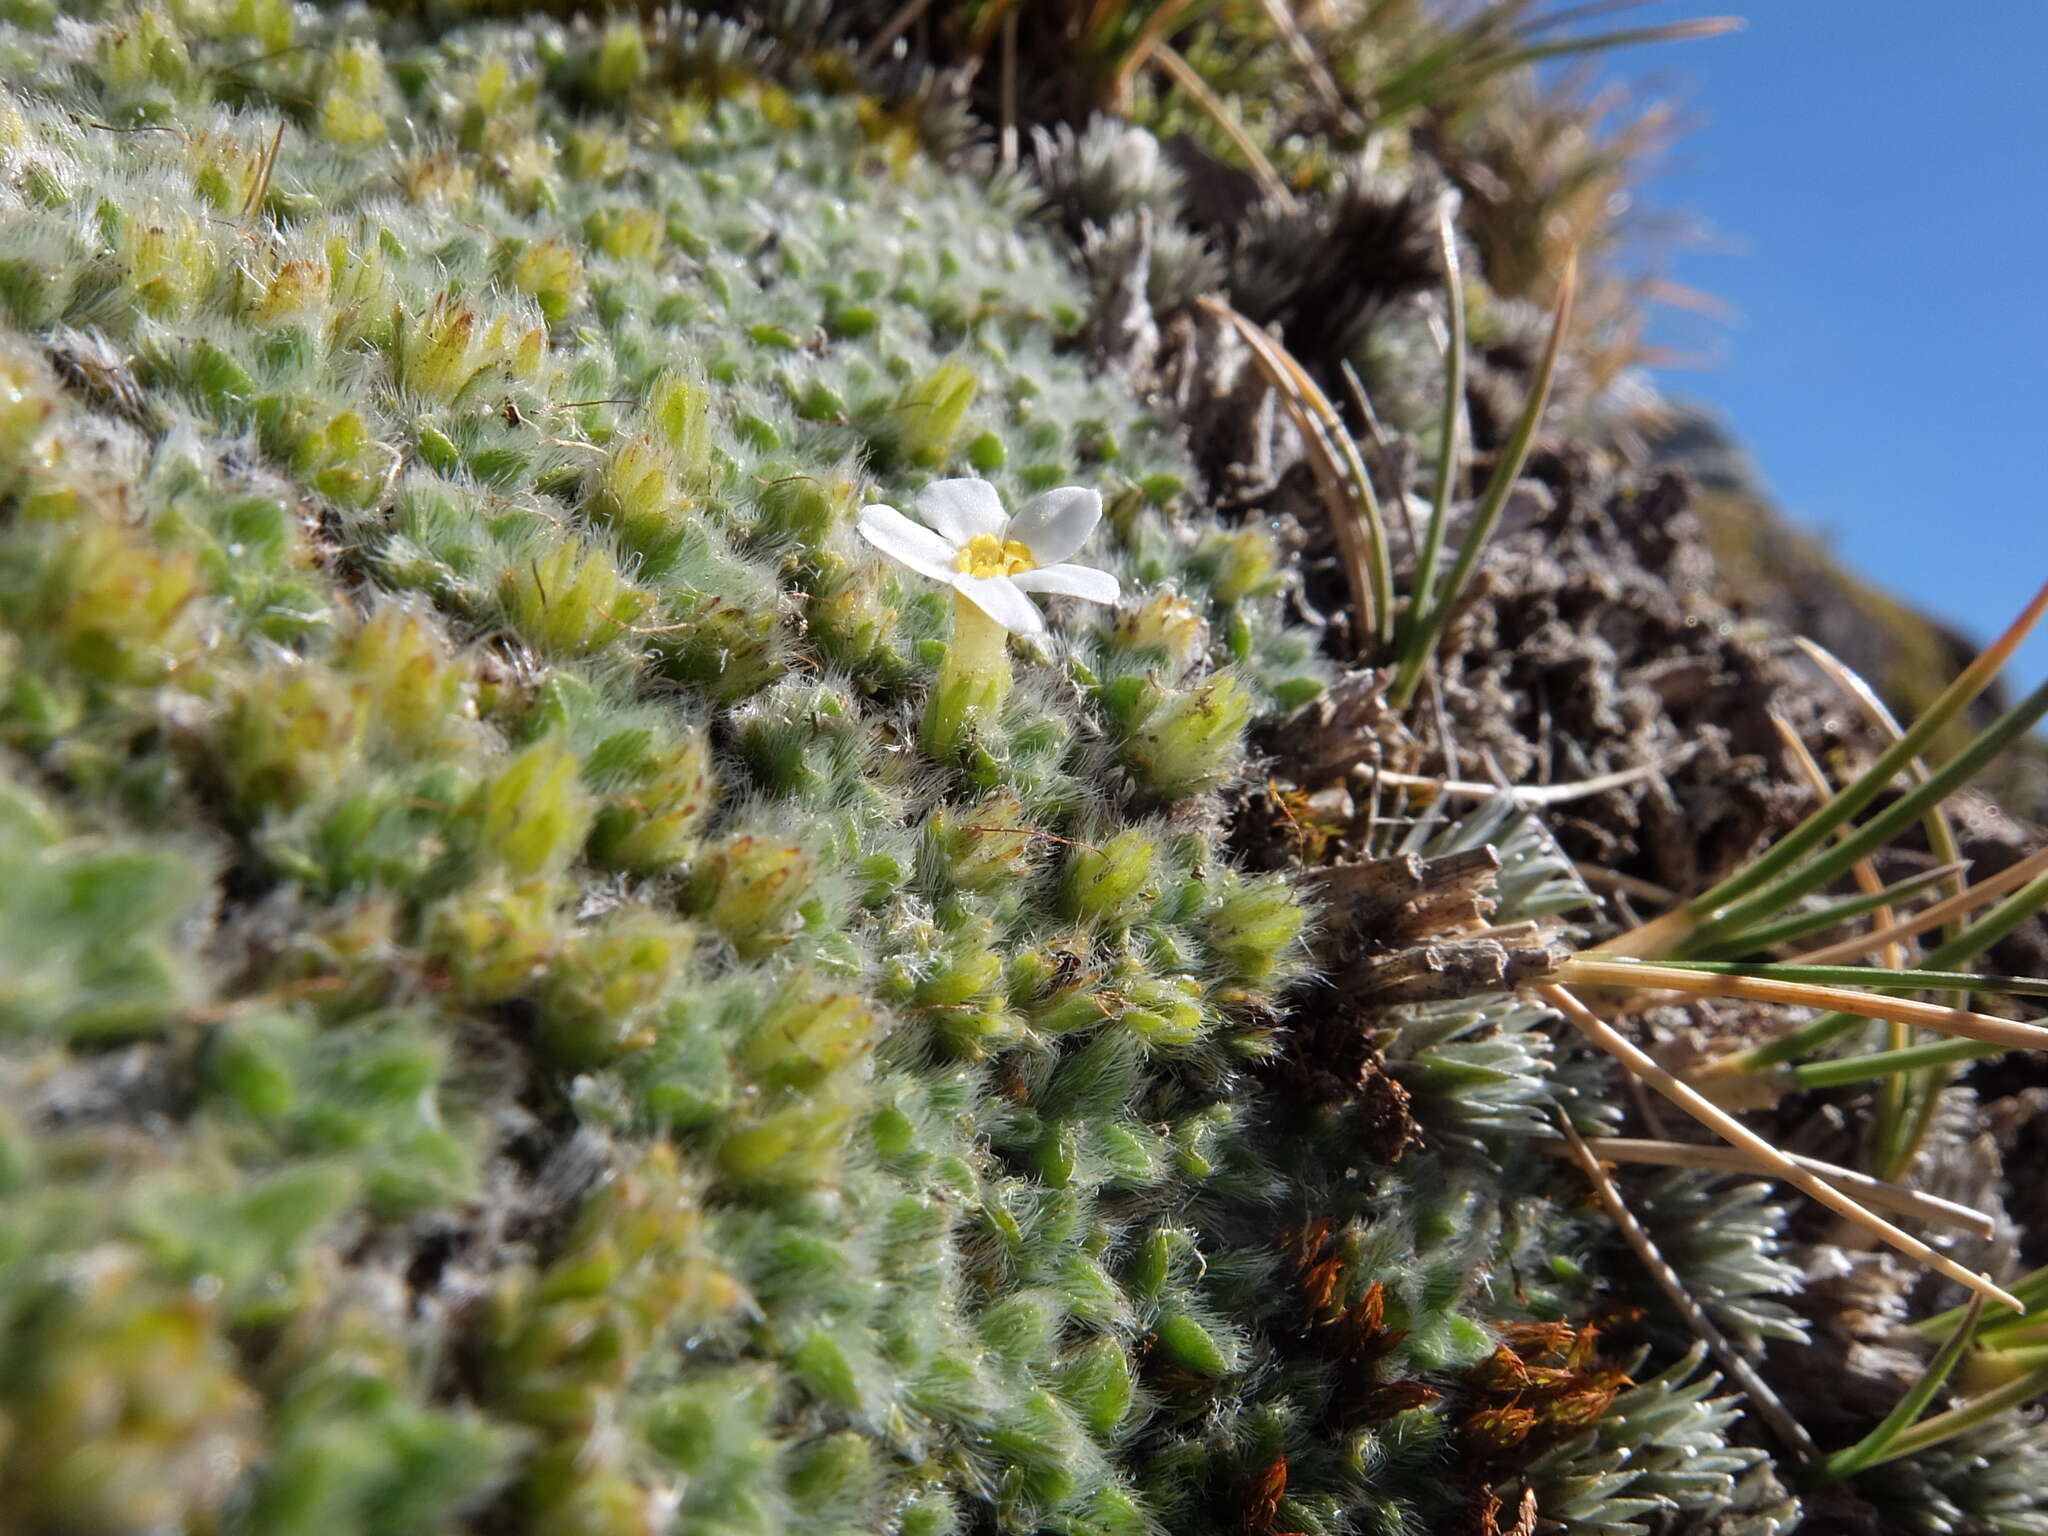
(1671, 931)
(1643, 976)
(898, 24)
(266, 168)
(1334, 458)
(1184, 75)
(1906, 1102)
(1008, 102)
(1863, 871)
(1536, 794)
(1736, 1364)
(1876, 1193)
(1983, 893)
(1731, 1130)
(1143, 50)
(985, 31)
(1601, 877)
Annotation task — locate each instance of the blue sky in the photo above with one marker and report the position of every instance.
(1874, 174)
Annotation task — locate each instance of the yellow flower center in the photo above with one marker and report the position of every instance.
(986, 555)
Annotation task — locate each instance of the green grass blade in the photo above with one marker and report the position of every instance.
(1418, 81)
(1787, 883)
(1905, 1104)
(2031, 1289)
(1450, 452)
(1844, 1070)
(1800, 924)
(1971, 942)
(1965, 1416)
(1422, 640)
(1875, 1446)
(1853, 797)
(1623, 37)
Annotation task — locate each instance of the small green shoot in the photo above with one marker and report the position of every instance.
(1436, 609)
(1450, 456)
(1965, 1416)
(1882, 1442)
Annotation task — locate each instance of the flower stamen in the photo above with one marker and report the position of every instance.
(986, 555)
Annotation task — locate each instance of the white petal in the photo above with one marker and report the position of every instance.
(1071, 581)
(1056, 524)
(999, 598)
(960, 509)
(902, 540)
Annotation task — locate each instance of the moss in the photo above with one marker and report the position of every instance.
(513, 1017)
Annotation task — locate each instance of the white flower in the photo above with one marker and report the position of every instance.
(991, 558)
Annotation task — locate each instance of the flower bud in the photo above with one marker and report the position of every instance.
(636, 497)
(657, 793)
(1240, 563)
(796, 1144)
(289, 735)
(494, 942)
(1191, 1345)
(340, 458)
(27, 396)
(832, 1475)
(169, 262)
(552, 273)
(626, 234)
(928, 414)
(750, 889)
(1252, 923)
(621, 61)
(806, 1035)
(596, 153)
(532, 815)
(1165, 1014)
(1108, 885)
(1189, 740)
(604, 985)
(1167, 626)
(354, 97)
(1095, 1381)
(984, 845)
(804, 508)
(681, 410)
(572, 600)
(422, 700)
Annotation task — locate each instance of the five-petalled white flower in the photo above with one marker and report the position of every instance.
(991, 558)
